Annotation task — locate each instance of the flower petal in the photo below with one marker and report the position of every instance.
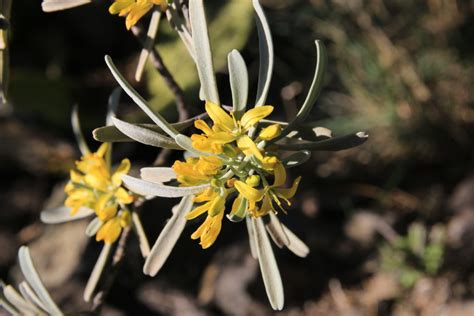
(251, 194)
(219, 116)
(248, 147)
(253, 116)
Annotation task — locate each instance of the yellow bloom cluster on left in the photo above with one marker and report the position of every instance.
(93, 186)
(238, 166)
(134, 10)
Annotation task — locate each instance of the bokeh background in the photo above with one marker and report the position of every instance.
(390, 224)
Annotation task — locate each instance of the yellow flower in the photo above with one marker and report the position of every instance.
(110, 231)
(239, 170)
(134, 10)
(227, 129)
(93, 186)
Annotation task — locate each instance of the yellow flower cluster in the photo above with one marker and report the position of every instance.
(93, 186)
(134, 10)
(238, 166)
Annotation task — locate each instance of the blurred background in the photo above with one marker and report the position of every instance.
(390, 224)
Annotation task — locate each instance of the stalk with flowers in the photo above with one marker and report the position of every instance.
(234, 168)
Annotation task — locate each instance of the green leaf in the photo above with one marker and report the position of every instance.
(96, 272)
(58, 5)
(296, 159)
(239, 82)
(157, 174)
(32, 277)
(202, 50)
(142, 239)
(76, 128)
(112, 134)
(313, 93)
(296, 246)
(276, 232)
(331, 144)
(63, 214)
(268, 266)
(157, 118)
(145, 136)
(265, 46)
(168, 237)
(147, 188)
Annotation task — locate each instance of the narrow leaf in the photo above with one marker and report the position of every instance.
(313, 93)
(93, 227)
(239, 82)
(265, 46)
(296, 246)
(157, 174)
(251, 233)
(146, 188)
(168, 237)
(32, 277)
(203, 52)
(275, 229)
(157, 118)
(296, 159)
(113, 134)
(113, 103)
(63, 214)
(29, 295)
(331, 144)
(148, 44)
(96, 272)
(143, 240)
(18, 301)
(58, 5)
(268, 266)
(76, 128)
(144, 135)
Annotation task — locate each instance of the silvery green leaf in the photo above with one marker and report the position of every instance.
(58, 5)
(29, 295)
(157, 174)
(202, 49)
(146, 188)
(239, 82)
(275, 229)
(268, 266)
(296, 159)
(96, 272)
(251, 233)
(296, 246)
(19, 302)
(181, 28)
(158, 119)
(113, 103)
(149, 41)
(143, 240)
(94, 227)
(62, 214)
(144, 135)
(265, 47)
(313, 93)
(168, 237)
(185, 143)
(269, 122)
(331, 144)
(33, 279)
(76, 128)
(7, 306)
(113, 134)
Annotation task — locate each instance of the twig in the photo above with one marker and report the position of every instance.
(160, 66)
(112, 273)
